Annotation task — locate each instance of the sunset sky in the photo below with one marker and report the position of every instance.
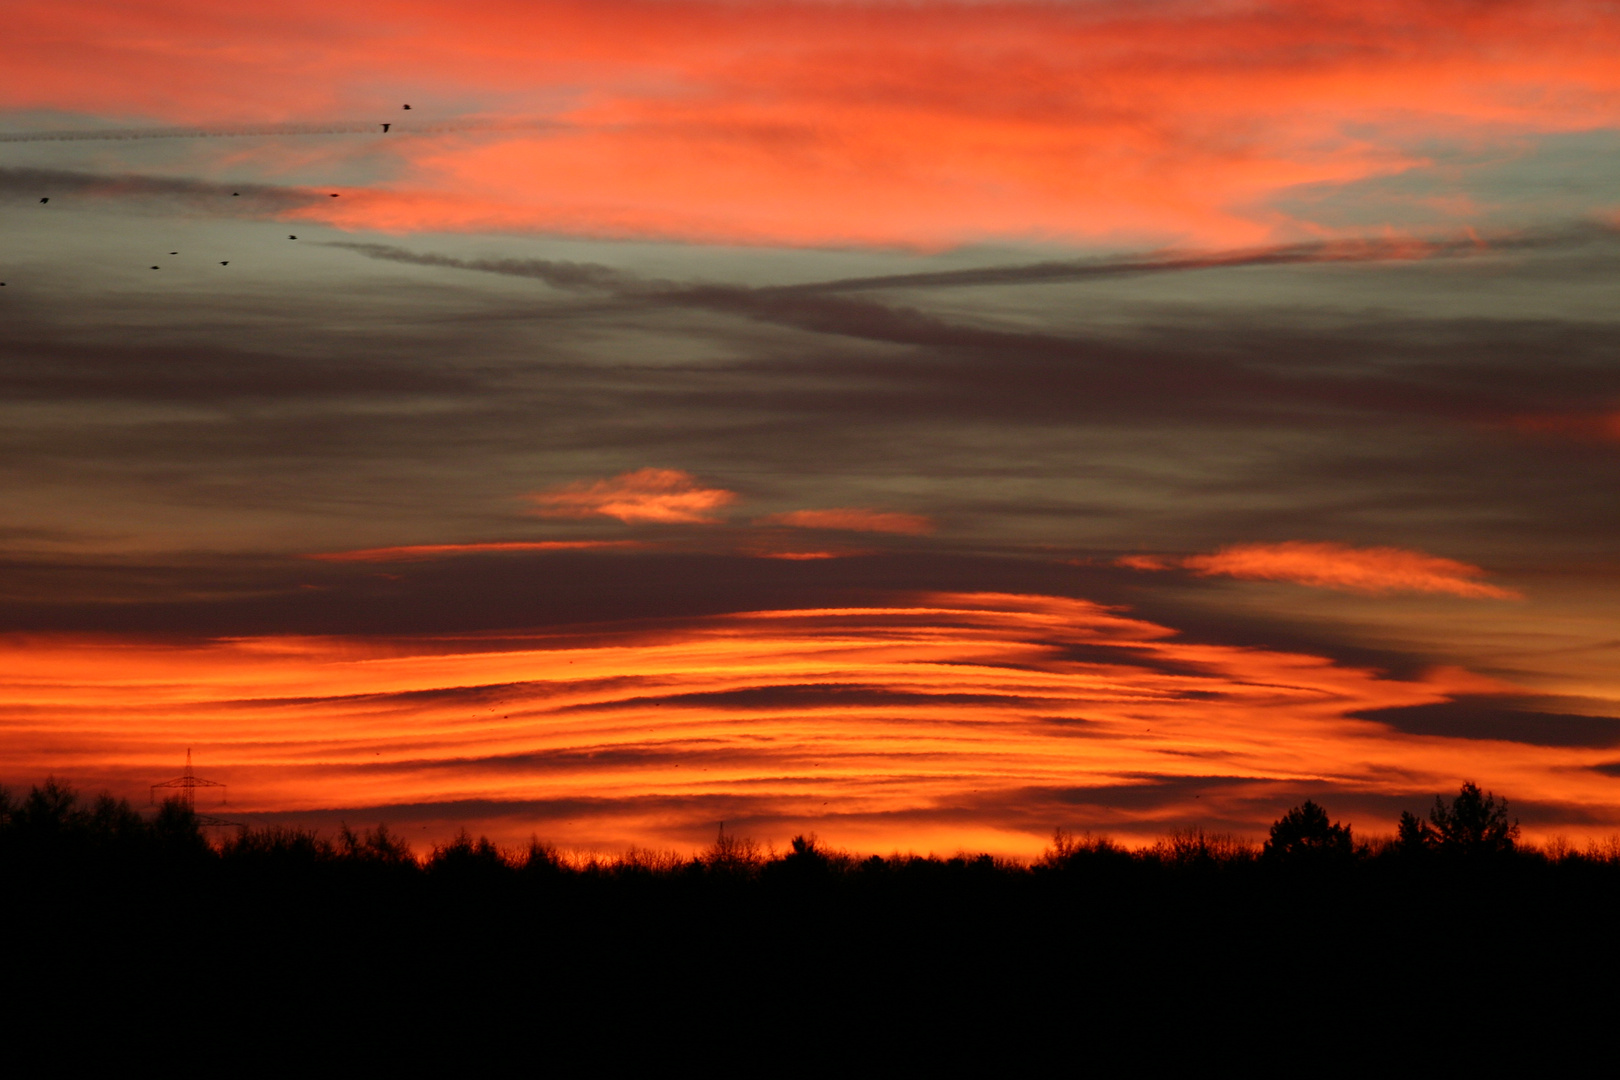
(925, 424)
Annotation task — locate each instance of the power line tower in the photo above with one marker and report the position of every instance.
(187, 785)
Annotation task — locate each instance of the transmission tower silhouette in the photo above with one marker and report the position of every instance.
(187, 785)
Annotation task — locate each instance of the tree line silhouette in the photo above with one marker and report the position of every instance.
(52, 829)
(1196, 924)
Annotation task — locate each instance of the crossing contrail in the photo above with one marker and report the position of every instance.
(241, 131)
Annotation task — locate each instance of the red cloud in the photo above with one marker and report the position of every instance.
(1589, 426)
(852, 520)
(662, 496)
(1336, 566)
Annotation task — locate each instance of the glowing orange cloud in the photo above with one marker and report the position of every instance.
(954, 720)
(661, 496)
(417, 552)
(1336, 566)
(850, 520)
(922, 124)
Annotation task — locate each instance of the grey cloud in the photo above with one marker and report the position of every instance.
(400, 128)
(184, 193)
(1489, 717)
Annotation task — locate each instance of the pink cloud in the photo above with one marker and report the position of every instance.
(853, 520)
(891, 122)
(661, 496)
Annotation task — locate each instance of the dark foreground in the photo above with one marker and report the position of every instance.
(1199, 945)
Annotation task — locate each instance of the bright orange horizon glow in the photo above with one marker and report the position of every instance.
(959, 722)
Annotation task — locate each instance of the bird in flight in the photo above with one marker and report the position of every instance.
(154, 268)
(386, 127)
(46, 199)
(227, 262)
(174, 253)
(334, 194)
(291, 237)
(234, 194)
(407, 106)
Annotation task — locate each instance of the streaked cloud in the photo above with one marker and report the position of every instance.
(1338, 566)
(1585, 425)
(646, 496)
(952, 719)
(418, 552)
(853, 520)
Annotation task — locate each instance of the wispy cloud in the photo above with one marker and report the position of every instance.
(418, 552)
(646, 496)
(1337, 566)
(853, 520)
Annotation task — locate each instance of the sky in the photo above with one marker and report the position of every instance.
(925, 424)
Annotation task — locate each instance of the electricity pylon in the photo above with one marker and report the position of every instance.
(187, 784)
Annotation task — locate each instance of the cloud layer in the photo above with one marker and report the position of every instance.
(976, 719)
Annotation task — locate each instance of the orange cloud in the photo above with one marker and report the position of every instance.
(417, 552)
(1337, 566)
(1143, 562)
(851, 520)
(803, 122)
(661, 496)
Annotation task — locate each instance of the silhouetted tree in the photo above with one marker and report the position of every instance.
(465, 857)
(1473, 823)
(377, 846)
(50, 809)
(1305, 834)
(733, 855)
(1095, 853)
(175, 828)
(1413, 836)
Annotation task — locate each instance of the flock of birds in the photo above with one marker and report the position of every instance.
(234, 194)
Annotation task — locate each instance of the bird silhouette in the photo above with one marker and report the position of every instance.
(407, 106)
(334, 194)
(386, 127)
(174, 253)
(234, 194)
(227, 262)
(154, 268)
(47, 198)
(291, 237)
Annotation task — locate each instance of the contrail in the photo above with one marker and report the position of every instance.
(242, 131)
